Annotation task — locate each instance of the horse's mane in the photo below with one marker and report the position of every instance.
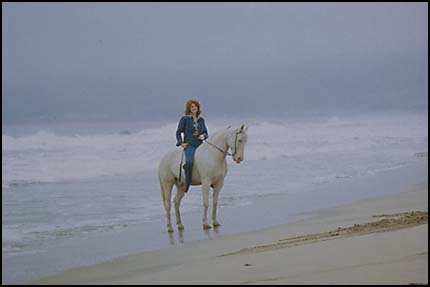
(220, 132)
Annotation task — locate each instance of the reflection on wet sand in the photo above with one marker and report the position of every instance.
(180, 237)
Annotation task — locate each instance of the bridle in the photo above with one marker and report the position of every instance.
(226, 152)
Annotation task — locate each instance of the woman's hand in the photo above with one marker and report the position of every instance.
(202, 137)
(184, 145)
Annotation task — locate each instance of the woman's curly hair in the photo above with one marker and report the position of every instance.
(187, 110)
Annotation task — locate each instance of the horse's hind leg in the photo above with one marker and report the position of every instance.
(180, 192)
(166, 192)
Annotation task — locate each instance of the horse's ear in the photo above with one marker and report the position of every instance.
(241, 128)
(246, 128)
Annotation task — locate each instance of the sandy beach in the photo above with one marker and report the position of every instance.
(376, 241)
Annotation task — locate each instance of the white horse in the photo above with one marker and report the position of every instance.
(209, 170)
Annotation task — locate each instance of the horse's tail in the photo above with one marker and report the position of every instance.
(161, 188)
(165, 179)
(160, 178)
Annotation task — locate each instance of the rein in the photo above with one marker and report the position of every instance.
(226, 152)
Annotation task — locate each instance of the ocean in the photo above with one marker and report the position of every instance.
(62, 181)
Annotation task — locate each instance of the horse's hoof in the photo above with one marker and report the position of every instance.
(206, 226)
(180, 227)
(216, 224)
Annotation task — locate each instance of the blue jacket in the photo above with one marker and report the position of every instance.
(186, 125)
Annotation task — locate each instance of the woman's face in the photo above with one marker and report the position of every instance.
(194, 109)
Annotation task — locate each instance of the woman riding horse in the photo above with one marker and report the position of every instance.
(192, 125)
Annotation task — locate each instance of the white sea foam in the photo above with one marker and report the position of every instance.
(45, 157)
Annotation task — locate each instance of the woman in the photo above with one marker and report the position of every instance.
(192, 125)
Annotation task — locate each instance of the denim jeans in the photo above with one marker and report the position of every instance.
(188, 166)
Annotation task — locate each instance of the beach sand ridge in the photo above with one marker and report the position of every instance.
(390, 222)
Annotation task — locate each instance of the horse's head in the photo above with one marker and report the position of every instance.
(236, 140)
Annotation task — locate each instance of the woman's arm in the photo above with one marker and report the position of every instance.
(204, 129)
(179, 131)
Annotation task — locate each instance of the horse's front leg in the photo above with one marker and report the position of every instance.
(205, 189)
(217, 188)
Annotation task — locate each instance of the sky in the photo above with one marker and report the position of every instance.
(111, 61)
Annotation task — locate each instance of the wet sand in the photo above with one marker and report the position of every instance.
(376, 241)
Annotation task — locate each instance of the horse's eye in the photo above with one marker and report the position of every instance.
(240, 141)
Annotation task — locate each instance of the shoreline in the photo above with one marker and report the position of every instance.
(266, 256)
(266, 213)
